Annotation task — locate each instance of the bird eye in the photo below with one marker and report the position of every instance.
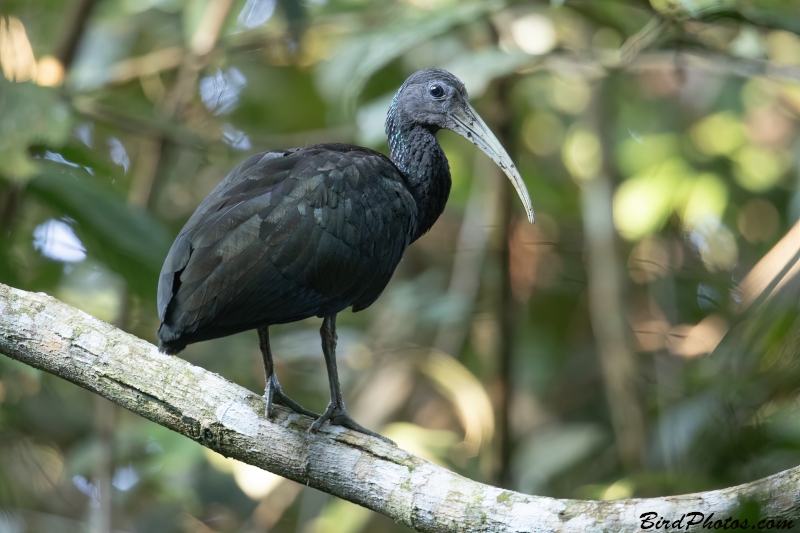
(436, 91)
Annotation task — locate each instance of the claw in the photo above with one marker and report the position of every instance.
(274, 394)
(340, 417)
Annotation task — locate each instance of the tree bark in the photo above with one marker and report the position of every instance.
(47, 334)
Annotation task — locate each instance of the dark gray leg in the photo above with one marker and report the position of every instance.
(273, 392)
(336, 412)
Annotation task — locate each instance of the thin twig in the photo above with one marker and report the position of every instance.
(606, 311)
(642, 39)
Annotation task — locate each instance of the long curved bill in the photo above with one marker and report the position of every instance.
(467, 123)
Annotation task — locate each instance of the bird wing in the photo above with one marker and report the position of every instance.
(286, 235)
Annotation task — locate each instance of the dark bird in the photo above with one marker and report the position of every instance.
(292, 234)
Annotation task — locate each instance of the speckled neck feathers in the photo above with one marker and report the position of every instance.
(416, 152)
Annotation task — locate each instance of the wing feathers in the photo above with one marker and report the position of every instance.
(287, 235)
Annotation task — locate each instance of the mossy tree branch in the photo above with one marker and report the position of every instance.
(47, 334)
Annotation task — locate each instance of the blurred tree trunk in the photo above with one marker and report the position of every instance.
(10, 202)
(101, 515)
(507, 307)
(606, 310)
(473, 238)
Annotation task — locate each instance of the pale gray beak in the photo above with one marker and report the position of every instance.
(467, 123)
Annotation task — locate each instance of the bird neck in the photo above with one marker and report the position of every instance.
(416, 152)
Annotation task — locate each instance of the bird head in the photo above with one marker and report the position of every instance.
(437, 99)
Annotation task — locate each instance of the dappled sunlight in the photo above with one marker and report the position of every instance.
(543, 133)
(758, 221)
(653, 258)
(694, 340)
(36, 468)
(715, 243)
(553, 449)
(340, 516)
(783, 47)
(220, 92)
(643, 203)
(719, 134)
(758, 169)
(236, 139)
(49, 72)
(256, 13)
(778, 267)
(769, 126)
(619, 490)
(472, 404)
(57, 240)
(534, 34)
(16, 54)
(431, 444)
(569, 94)
(17, 60)
(638, 153)
(705, 199)
(253, 481)
(92, 288)
(581, 153)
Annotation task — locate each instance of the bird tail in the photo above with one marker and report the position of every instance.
(168, 340)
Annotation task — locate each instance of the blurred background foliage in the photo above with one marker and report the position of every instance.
(640, 340)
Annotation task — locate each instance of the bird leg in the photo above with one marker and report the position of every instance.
(336, 411)
(273, 392)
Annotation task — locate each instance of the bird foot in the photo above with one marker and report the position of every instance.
(339, 416)
(274, 394)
